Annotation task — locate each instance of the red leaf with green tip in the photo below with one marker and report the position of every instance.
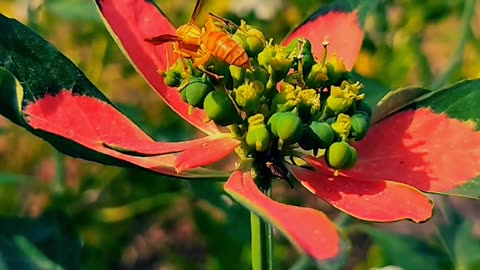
(131, 22)
(83, 118)
(205, 154)
(316, 235)
(81, 121)
(98, 126)
(340, 23)
(373, 200)
(435, 148)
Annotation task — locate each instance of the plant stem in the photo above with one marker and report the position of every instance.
(455, 64)
(261, 242)
(304, 262)
(60, 173)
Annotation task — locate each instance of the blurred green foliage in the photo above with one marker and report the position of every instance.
(131, 219)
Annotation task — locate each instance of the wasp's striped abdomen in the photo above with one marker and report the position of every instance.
(223, 47)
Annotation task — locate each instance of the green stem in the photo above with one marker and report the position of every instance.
(60, 174)
(305, 262)
(261, 242)
(455, 64)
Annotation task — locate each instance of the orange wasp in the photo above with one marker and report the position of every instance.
(200, 44)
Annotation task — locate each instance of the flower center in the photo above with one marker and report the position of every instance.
(280, 101)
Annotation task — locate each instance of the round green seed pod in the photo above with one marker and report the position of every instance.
(183, 94)
(196, 91)
(258, 137)
(338, 154)
(360, 124)
(323, 132)
(220, 109)
(353, 159)
(289, 127)
(272, 123)
(318, 135)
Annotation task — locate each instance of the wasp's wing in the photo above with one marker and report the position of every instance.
(158, 40)
(198, 7)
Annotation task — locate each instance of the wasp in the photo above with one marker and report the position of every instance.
(200, 44)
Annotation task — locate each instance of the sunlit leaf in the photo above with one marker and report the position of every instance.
(433, 146)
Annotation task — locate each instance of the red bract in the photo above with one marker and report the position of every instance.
(376, 200)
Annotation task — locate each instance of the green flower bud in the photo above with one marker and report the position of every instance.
(250, 38)
(308, 58)
(172, 78)
(292, 79)
(257, 134)
(287, 126)
(238, 75)
(317, 76)
(183, 94)
(258, 74)
(301, 49)
(219, 108)
(248, 96)
(276, 58)
(335, 69)
(191, 70)
(338, 155)
(342, 126)
(316, 135)
(341, 98)
(309, 103)
(178, 67)
(272, 123)
(360, 124)
(256, 41)
(196, 91)
(240, 38)
(286, 99)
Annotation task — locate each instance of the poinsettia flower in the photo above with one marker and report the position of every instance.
(403, 155)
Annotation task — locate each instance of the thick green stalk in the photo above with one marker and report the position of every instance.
(261, 243)
(60, 174)
(261, 235)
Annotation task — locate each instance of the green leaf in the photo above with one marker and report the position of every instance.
(48, 242)
(12, 179)
(20, 253)
(74, 10)
(457, 237)
(403, 251)
(459, 101)
(395, 101)
(44, 92)
(433, 144)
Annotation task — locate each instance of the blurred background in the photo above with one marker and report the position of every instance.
(90, 216)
